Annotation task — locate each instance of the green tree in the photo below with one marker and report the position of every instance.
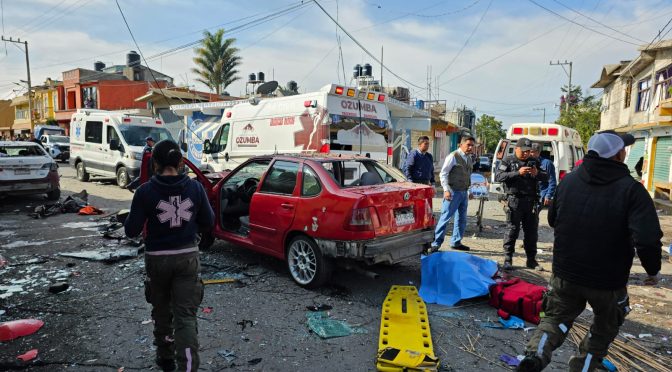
(583, 115)
(216, 60)
(489, 131)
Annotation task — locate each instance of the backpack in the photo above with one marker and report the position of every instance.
(517, 297)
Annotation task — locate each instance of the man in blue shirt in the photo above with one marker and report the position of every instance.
(546, 188)
(419, 166)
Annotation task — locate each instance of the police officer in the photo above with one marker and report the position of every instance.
(520, 175)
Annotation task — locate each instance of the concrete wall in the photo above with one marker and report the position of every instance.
(614, 112)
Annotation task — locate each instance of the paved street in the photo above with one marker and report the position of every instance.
(101, 322)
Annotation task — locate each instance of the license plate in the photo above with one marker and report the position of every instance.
(20, 172)
(404, 218)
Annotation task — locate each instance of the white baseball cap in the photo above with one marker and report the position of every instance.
(607, 144)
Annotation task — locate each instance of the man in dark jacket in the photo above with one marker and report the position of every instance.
(419, 166)
(601, 216)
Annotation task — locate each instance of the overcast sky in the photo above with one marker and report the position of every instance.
(455, 39)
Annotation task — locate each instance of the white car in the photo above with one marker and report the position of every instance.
(25, 168)
(57, 145)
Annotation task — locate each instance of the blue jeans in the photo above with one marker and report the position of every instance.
(458, 207)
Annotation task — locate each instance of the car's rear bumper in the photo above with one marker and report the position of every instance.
(36, 186)
(390, 249)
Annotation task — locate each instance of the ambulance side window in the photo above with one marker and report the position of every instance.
(571, 156)
(501, 150)
(112, 134)
(221, 139)
(93, 132)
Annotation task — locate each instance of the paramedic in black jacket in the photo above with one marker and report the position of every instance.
(601, 216)
(521, 175)
(175, 208)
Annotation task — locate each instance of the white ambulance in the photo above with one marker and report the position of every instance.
(335, 119)
(562, 143)
(110, 144)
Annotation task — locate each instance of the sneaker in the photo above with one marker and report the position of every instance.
(507, 266)
(166, 365)
(533, 264)
(434, 248)
(529, 364)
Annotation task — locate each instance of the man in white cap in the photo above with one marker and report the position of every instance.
(601, 216)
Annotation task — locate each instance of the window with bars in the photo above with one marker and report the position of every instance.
(628, 93)
(643, 94)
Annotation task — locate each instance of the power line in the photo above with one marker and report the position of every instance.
(579, 24)
(598, 22)
(466, 42)
(364, 49)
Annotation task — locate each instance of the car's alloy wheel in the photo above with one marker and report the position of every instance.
(122, 177)
(81, 172)
(306, 264)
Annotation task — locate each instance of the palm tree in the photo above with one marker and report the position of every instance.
(217, 60)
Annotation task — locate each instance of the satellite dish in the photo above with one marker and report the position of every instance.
(268, 87)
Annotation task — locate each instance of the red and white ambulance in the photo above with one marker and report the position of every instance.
(336, 119)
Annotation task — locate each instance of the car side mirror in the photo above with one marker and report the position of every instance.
(114, 145)
(226, 156)
(207, 147)
(183, 147)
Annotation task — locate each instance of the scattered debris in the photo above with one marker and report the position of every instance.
(254, 362)
(227, 354)
(244, 323)
(509, 360)
(219, 281)
(19, 328)
(319, 307)
(29, 355)
(325, 327)
(105, 255)
(58, 287)
(148, 321)
(90, 210)
(207, 310)
(3, 262)
(645, 335)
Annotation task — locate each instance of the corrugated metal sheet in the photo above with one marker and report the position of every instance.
(636, 152)
(661, 166)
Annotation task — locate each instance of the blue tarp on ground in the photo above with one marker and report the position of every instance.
(448, 277)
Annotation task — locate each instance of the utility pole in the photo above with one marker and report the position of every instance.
(541, 109)
(569, 86)
(30, 89)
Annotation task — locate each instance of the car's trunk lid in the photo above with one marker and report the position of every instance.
(24, 168)
(400, 206)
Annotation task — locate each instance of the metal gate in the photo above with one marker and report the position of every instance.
(661, 165)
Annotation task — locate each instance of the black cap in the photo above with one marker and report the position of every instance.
(524, 143)
(149, 138)
(628, 139)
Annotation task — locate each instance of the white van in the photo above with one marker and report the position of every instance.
(563, 143)
(110, 144)
(336, 119)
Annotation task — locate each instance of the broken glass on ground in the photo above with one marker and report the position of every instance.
(107, 255)
(325, 327)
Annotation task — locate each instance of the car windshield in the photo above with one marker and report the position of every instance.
(61, 139)
(485, 159)
(20, 151)
(135, 135)
(351, 173)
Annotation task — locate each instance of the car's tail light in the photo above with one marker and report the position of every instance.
(562, 174)
(429, 213)
(362, 219)
(50, 166)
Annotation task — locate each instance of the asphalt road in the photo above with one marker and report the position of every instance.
(101, 322)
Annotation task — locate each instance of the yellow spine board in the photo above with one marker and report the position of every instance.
(405, 341)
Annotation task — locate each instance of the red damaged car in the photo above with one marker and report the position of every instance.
(311, 210)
